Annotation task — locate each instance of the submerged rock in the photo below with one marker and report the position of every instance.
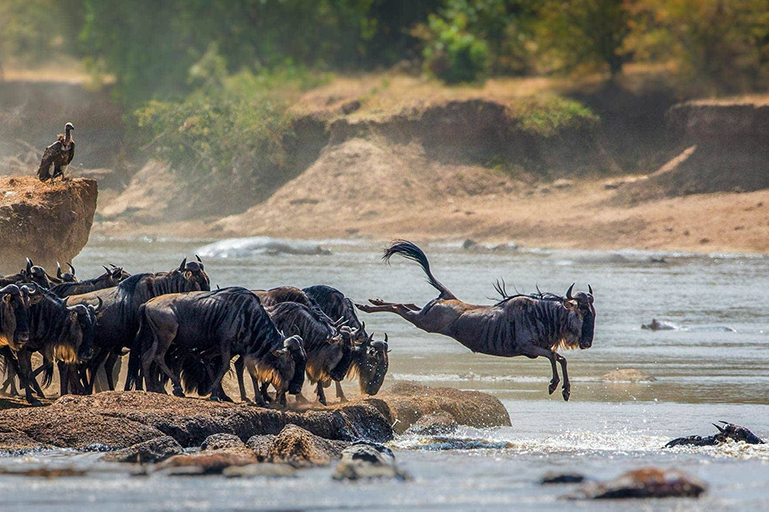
(262, 469)
(627, 375)
(363, 460)
(209, 462)
(154, 450)
(656, 325)
(643, 483)
(440, 423)
(553, 477)
(729, 432)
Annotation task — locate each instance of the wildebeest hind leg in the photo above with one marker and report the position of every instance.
(217, 393)
(239, 367)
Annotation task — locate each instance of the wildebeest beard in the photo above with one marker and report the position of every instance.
(588, 329)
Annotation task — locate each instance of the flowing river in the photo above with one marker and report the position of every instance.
(704, 373)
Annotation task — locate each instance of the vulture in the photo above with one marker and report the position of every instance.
(59, 155)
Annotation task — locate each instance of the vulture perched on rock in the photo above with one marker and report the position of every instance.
(59, 155)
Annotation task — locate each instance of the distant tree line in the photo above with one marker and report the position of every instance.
(150, 45)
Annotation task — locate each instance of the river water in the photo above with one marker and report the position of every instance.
(703, 373)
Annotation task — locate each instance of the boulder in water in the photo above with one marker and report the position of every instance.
(554, 477)
(363, 460)
(656, 325)
(643, 483)
(298, 447)
(440, 423)
(222, 441)
(153, 450)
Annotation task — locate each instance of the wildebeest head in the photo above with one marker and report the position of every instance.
(371, 363)
(582, 304)
(36, 274)
(195, 275)
(83, 329)
(14, 323)
(65, 277)
(284, 368)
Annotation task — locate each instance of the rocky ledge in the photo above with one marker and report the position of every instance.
(45, 222)
(121, 419)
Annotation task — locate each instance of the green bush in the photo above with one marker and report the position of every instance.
(546, 116)
(229, 132)
(453, 54)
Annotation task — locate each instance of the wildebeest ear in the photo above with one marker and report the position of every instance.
(187, 274)
(571, 305)
(280, 352)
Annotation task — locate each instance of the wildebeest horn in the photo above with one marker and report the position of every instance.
(720, 429)
(292, 343)
(71, 268)
(29, 266)
(590, 289)
(96, 309)
(568, 292)
(11, 289)
(184, 264)
(198, 258)
(58, 270)
(106, 269)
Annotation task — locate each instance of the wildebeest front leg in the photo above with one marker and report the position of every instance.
(566, 385)
(533, 351)
(321, 394)
(239, 365)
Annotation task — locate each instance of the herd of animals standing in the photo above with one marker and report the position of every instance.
(175, 328)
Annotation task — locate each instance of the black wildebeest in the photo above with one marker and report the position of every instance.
(110, 278)
(14, 324)
(31, 274)
(58, 332)
(59, 155)
(329, 351)
(118, 322)
(214, 327)
(520, 325)
(370, 359)
(65, 277)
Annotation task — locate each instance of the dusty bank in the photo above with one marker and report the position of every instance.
(121, 419)
(47, 223)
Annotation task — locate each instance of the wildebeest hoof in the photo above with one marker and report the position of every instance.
(566, 394)
(342, 400)
(323, 401)
(178, 392)
(553, 386)
(215, 398)
(35, 402)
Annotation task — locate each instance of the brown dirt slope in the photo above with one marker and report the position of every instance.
(45, 222)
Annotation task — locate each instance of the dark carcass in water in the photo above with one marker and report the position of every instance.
(728, 431)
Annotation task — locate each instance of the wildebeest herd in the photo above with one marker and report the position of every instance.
(177, 330)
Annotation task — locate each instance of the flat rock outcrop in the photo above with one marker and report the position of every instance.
(121, 419)
(47, 223)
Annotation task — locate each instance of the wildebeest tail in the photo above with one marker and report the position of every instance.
(411, 252)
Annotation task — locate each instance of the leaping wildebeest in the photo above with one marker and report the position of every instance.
(518, 325)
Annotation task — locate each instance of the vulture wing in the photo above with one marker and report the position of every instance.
(52, 152)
